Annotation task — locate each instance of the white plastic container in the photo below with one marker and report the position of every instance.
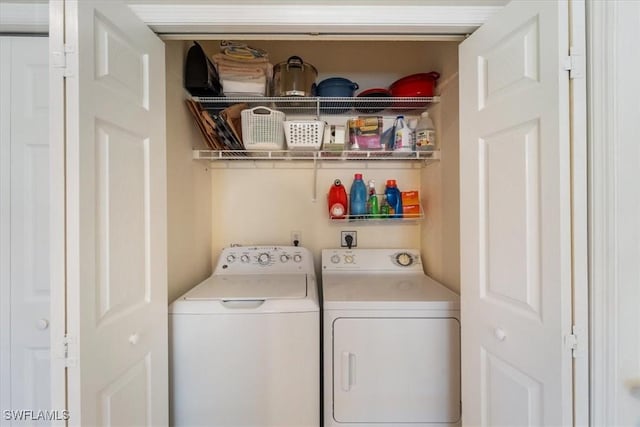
(425, 133)
(403, 136)
(262, 129)
(304, 134)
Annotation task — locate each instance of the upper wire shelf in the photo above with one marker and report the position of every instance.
(313, 155)
(322, 105)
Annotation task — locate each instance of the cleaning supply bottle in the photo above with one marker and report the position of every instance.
(394, 199)
(373, 209)
(384, 207)
(402, 136)
(358, 197)
(425, 133)
(337, 200)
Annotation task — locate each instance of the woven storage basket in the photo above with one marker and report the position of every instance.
(263, 129)
(304, 134)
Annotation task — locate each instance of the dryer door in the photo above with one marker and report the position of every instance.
(396, 370)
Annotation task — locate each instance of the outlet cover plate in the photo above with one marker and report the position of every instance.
(343, 236)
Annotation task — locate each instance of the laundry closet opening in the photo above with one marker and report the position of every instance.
(214, 204)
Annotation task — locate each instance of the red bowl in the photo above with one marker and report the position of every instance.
(373, 106)
(422, 84)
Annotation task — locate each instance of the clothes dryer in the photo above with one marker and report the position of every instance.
(391, 341)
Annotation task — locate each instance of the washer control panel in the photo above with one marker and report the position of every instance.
(371, 260)
(274, 259)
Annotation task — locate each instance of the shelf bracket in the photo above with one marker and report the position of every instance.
(315, 178)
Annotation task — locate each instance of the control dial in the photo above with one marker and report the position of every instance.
(297, 258)
(231, 258)
(244, 258)
(335, 259)
(284, 258)
(404, 259)
(264, 258)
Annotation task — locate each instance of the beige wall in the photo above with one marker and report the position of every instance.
(188, 187)
(441, 182)
(263, 204)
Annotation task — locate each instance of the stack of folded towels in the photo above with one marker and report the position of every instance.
(243, 70)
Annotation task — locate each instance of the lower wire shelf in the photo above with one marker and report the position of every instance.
(370, 219)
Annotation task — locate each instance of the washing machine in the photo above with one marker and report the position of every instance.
(245, 343)
(391, 341)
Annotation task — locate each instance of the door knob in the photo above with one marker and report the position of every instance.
(500, 334)
(42, 324)
(134, 338)
(633, 385)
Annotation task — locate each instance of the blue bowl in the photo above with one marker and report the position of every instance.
(336, 87)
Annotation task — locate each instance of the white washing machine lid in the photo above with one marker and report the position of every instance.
(250, 287)
(374, 290)
(249, 294)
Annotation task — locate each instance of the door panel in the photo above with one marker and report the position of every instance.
(116, 218)
(510, 201)
(516, 218)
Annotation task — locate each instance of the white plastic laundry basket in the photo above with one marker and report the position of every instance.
(262, 129)
(304, 134)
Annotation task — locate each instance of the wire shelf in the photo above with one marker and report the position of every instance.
(313, 155)
(322, 105)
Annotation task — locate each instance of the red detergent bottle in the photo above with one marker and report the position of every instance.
(337, 200)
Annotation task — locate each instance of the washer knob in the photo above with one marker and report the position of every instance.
(231, 258)
(244, 258)
(335, 259)
(297, 258)
(264, 258)
(284, 257)
(348, 259)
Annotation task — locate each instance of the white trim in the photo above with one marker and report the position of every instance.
(57, 212)
(316, 37)
(23, 17)
(602, 146)
(5, 225)
(260, 18)
(579, 191)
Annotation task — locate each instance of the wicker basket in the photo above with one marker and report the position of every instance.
(304, 134)
(263, 129)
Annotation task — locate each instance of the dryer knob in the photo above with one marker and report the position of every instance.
(244, 258)
(297, 258)
(264, 258)
(284, 258)
(231, 258)
(335, 259)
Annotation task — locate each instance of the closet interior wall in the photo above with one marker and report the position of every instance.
(214, 205)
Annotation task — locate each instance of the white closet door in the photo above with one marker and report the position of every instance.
(25, 228)
(116, 218)
(516, 218)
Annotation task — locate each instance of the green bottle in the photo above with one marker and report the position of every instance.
(374, 208)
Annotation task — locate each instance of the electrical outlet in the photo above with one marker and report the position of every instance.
(296, 238)
(343, 238)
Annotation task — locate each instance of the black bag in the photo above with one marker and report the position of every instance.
(200, 75)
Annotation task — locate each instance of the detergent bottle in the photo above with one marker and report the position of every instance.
(403, 135)
(337, 200)
(373, 208)
(394, 199)
(358, 197)
(425, 133)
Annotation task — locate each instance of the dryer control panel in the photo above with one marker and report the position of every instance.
(407, 260)
(258, 259)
